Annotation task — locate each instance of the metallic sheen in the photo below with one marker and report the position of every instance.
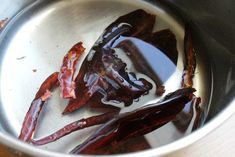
(35, 40)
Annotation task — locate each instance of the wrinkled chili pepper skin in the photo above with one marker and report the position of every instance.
(190, 59)
(137, 122)
(31, 118)
(67, 70)
(74, 126)
(104, 73)
(190, 117)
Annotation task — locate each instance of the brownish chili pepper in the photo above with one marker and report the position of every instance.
(190, 59)
(31, 118)
(74, 126)
(137, 122)
(191, 114)
(67, 70)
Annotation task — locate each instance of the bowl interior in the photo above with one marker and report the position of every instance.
(35, 41)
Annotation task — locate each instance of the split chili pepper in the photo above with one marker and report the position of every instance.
(67, 70)
(31, 118)
(138, 122)
(74, 126)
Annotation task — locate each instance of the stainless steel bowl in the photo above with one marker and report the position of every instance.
(37, 28)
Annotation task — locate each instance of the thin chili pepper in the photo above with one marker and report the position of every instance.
(190, 59)
(191, 114)
(31, 118)
(74, 126)
(67, 70)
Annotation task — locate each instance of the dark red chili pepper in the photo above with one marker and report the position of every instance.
(74, 126)
(36, 106)
(106, 75)
(191, 114)
(190, 59)
(137, 122)
(140, 21)
(67, 70)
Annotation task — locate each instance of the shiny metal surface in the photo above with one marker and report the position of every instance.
(37, 39)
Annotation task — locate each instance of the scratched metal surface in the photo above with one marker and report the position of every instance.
(34, 45)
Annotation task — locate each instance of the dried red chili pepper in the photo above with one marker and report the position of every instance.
(31, 118)
(191, 114)
(137, 122)
(67, 70)
(190, 59)
(106, 75)
(74, 126)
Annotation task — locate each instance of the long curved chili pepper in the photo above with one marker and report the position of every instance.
(31, 118)
(137, 122)
(67, 70)
(190, 59)
(74, 126)
(191, 114)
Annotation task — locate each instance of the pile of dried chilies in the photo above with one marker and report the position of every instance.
(104, 76)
